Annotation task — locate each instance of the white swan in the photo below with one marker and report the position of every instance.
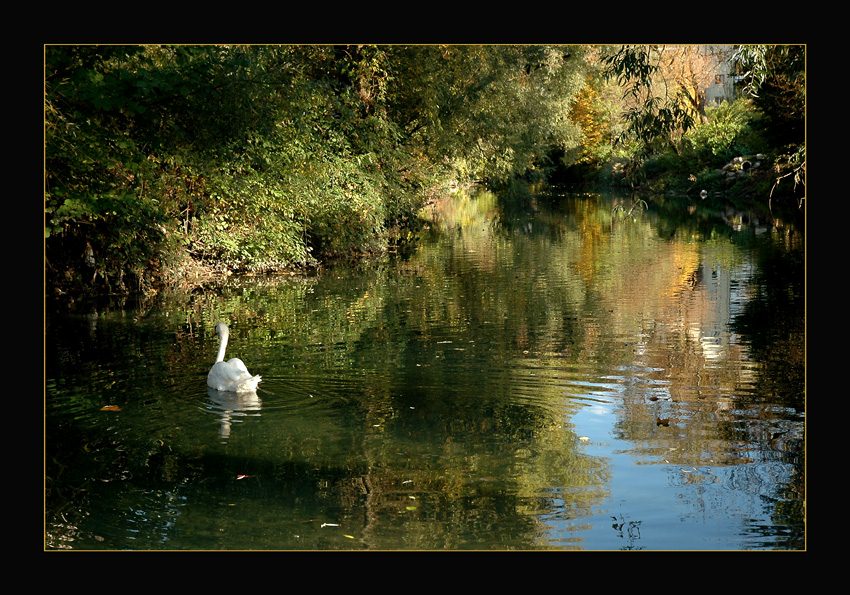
(231, 375)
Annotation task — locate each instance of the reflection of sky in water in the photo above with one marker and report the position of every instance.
(666, 505)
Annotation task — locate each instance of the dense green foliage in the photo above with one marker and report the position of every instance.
(168, 165)
(775, 77)
(660, 133)
(727, 133)
(159, 159)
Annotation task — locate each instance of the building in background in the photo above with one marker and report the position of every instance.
(723, 87)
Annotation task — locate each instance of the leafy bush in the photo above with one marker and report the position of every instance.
(727, 133)
(346, 214)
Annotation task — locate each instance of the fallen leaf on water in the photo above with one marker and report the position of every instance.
(242, 476)
(110, 408)
(329, 525)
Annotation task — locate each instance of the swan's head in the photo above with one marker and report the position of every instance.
(221, 330)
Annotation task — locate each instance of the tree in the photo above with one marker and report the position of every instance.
(775, 77)
(160, 159)
(690, 70)
(657, 114)
(489, 112)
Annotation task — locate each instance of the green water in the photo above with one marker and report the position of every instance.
(553, 375)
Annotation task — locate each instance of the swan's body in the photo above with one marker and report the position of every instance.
(231, 375)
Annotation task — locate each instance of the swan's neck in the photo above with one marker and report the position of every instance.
(221, 348)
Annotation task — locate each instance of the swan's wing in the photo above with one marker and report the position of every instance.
(238, 364)
(219, 376)
(232, 376)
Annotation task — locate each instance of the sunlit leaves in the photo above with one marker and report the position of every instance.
(655, 116)
(261, 157)
(722, 135)
(632, 68)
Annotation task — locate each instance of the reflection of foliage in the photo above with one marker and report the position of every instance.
(773, 322)
(631, 533)
(625, 211)
(424, 403)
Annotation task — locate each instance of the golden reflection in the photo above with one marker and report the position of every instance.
(670, 302)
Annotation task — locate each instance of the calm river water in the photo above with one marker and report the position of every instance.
(554, 375)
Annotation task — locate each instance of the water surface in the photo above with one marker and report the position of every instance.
(553, 375)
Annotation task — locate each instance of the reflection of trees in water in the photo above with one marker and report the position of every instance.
(718, 388)
(772, 324)
(772, 321)
(469, 467)
(480, 459)
(628, 531)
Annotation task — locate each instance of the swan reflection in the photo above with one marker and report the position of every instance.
(230, 405)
